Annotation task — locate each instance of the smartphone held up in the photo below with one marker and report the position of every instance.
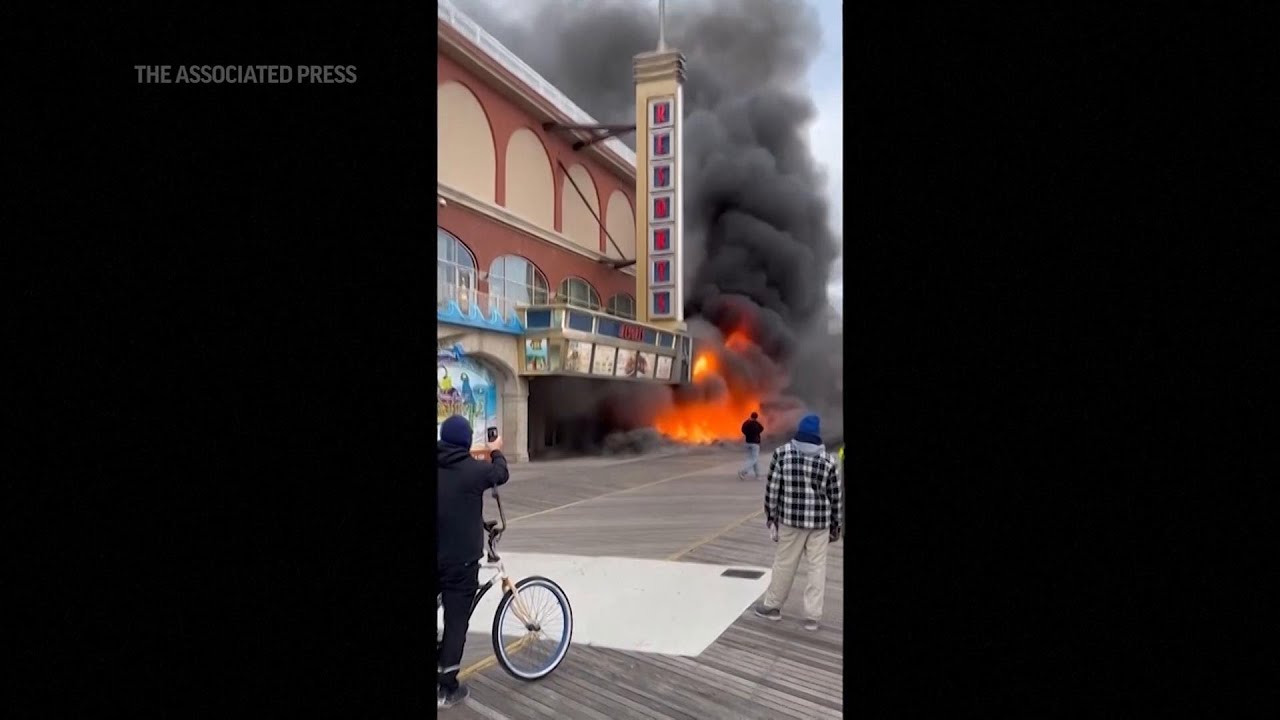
(481, 451)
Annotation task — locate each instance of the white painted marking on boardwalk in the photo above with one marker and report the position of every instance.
(654, 606)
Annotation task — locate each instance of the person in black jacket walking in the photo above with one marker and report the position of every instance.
(751, 431)
(460, 542)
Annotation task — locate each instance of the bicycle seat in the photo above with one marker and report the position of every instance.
(489, 525)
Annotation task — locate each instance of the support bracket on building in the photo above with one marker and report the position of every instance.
(599, 132)
(599, 222)
(617, 264)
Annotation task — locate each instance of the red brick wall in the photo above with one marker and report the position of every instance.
(488, 239)
(505, 118)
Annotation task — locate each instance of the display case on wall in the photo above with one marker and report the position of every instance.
(563, 340)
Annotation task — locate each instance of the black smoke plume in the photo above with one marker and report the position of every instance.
(758, 246)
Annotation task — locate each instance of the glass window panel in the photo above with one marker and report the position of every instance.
(623, 305)
(608, 327)
(514, 280)
(580, 322)
(455, 271)
(576, 291)
(538, 319)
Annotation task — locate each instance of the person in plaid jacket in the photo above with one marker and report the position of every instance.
(802, 506)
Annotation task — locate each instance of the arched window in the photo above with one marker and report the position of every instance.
(577, 291)
(455, 272)
(514, 281)
(622, 305)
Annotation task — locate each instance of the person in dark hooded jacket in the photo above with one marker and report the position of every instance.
(460, 541)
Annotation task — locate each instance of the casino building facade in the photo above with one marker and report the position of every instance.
(537, 253)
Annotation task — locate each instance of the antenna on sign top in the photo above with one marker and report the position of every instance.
(662, 25)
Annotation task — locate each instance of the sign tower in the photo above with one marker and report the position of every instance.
(659, 80)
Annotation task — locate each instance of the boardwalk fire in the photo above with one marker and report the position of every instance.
(717, 412)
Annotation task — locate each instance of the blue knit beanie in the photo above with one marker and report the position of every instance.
(808, 430)
(456, 431)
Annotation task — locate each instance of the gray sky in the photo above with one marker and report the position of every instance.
(825, 135)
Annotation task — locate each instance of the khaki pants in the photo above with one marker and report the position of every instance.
(795, 544)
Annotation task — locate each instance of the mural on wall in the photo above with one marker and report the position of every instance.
(465, 387)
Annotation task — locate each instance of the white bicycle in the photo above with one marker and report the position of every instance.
(534, 622)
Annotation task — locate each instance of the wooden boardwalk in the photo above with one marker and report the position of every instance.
(688, 507)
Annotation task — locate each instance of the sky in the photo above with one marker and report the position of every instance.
(826, 135)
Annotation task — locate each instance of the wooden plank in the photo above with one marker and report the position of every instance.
(633, 508)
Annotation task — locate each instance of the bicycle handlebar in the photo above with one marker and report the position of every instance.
(495, 529)
(502, 516)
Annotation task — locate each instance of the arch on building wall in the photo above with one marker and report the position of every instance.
(529, 184)
(464, 143)
(620, 221)
(578, 219)
(577, 291)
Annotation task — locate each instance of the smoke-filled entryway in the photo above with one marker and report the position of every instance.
(583, 416)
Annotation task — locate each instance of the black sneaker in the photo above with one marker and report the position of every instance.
(445, 700)
(768, 613)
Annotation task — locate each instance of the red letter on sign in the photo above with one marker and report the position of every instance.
(660, 303)
(660, 113)
(662, 144)
(661, 239)
(661, 271)
(662, 176)
(661, 207)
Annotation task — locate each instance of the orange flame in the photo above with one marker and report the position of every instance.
(737, 341)
(721, 419)
(702, 365)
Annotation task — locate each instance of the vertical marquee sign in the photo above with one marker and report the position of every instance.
(659, 79)
(664, 219)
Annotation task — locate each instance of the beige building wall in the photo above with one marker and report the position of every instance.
(579, 224)
(464, 141)
(621, 224)
(530, 187)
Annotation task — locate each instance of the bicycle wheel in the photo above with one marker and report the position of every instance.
(531, 650)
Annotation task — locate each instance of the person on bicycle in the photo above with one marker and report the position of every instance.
(460, 541)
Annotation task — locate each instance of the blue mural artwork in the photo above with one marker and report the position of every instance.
(465, 387)
(453, 314)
